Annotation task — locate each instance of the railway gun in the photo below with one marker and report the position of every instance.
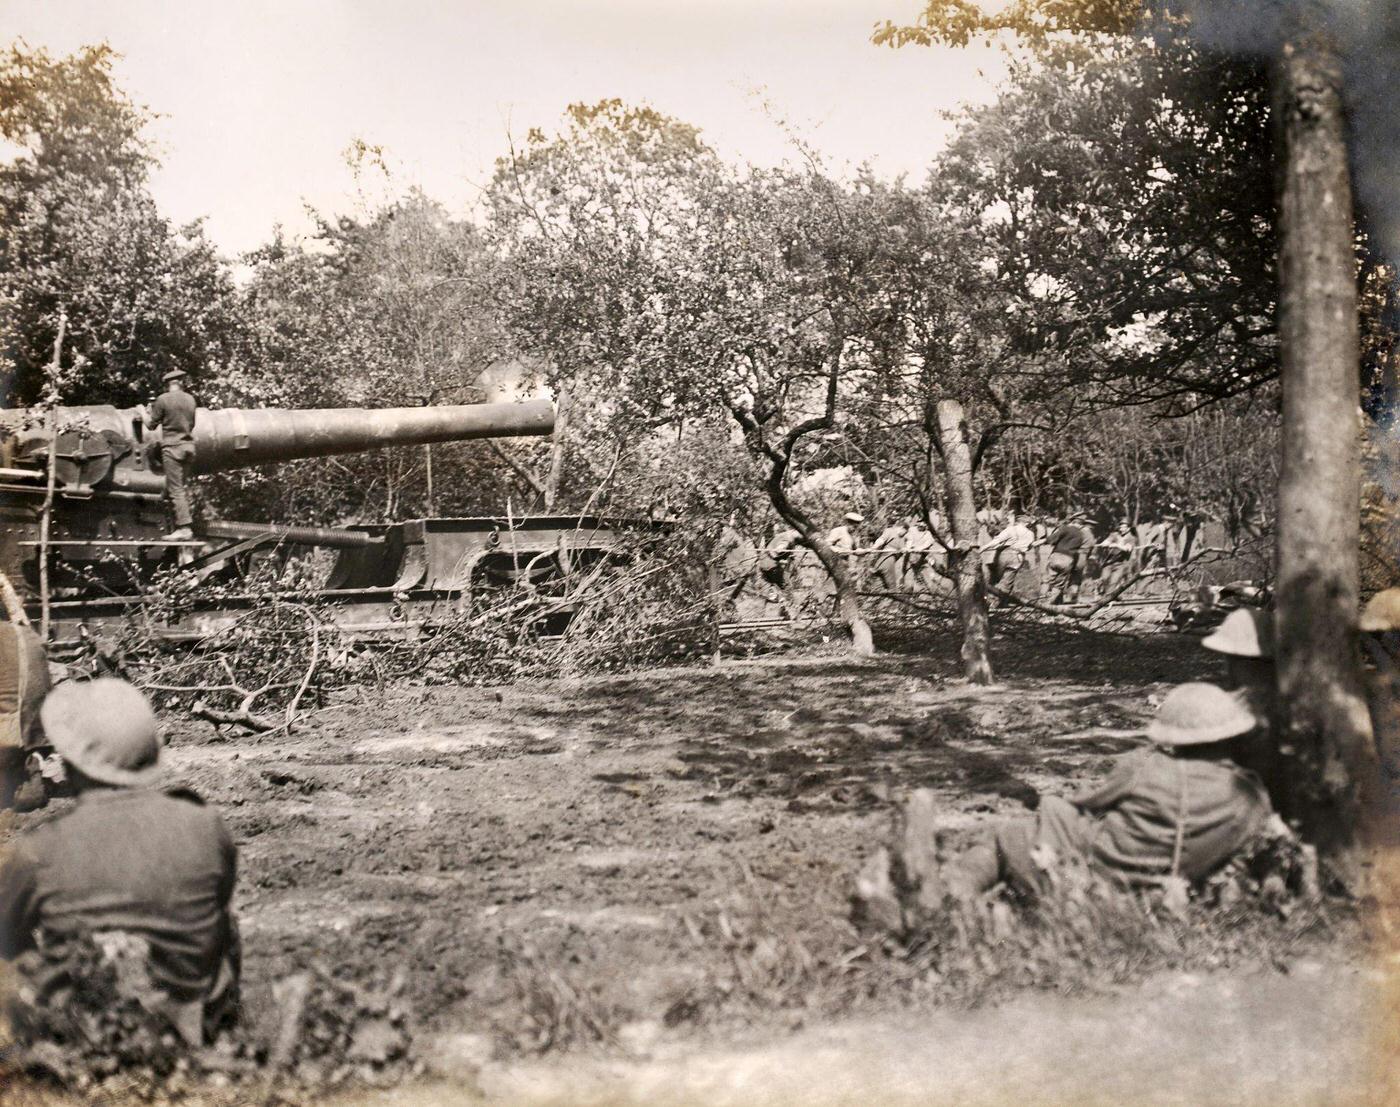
(108, 515)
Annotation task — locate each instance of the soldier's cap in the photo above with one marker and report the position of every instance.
(854, 517)
(1382, 612)
(105, 729)
(1246, 632)
(1196, 713)
(174, 375)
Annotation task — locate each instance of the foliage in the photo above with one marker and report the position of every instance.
(956, 22)
(642, 604)
(85, 1017)
(280, 646)
(279, 649)
(1126, 193)
(1085, 933)
(648, 276)
(951, 337)
(1133, 463)
(1126, 176)
(79, 1016)
(82, 237)
(551, 1008)
(379, 311)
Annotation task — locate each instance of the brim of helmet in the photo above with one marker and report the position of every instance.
(1220, 643)
(1376, 624)
(1165, 735)
(108, 774)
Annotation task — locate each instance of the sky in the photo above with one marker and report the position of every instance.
(260, 99)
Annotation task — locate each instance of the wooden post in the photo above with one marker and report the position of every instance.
(964, 558)
(10, 601)
(556, 448)
(1324, 712)
(46, 512)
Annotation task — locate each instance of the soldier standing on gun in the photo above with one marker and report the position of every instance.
(174, 413)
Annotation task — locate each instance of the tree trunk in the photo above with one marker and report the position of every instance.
(964, 556)
(1324, 715)
(847, 595)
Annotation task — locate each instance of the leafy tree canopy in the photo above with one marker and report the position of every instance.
(1125, 189)
(81, 237)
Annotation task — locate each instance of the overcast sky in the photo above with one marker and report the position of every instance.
(261, 97)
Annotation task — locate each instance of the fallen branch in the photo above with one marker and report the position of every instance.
(242, 717)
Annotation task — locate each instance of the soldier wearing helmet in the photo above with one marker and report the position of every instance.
(1246, 640)
(142, 865)
(1177, 809)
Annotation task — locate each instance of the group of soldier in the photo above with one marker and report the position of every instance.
(1045, 559)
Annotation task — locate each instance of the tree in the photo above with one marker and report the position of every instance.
(649, 276)
(1126, 192)
(949, 386)
(81, 236)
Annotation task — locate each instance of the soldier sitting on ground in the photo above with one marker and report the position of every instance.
(1177, 810)
(132, 864)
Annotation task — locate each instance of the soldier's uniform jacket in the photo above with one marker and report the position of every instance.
(1136, 813)
(1127, 827)
(173, 412)
(841, 539)
(156, 864)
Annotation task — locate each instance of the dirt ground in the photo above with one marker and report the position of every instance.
(550, 863)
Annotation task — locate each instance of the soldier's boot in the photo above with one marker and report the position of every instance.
(875, 907)
(918, 875)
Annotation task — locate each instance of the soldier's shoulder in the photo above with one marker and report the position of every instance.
(187, 808)
(183, 792)
(34, 842)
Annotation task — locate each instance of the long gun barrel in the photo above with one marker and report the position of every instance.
(233, 438)
(101, 447)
